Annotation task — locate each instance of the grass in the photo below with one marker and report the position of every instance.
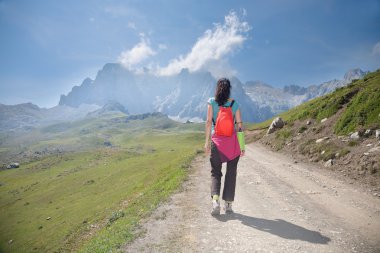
(364, 109)
(302, 129)
(95, 196)
(282, 136)
(325, 151)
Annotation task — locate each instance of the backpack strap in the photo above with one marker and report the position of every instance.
(232, 103)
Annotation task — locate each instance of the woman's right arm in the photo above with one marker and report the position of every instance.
(208, 128)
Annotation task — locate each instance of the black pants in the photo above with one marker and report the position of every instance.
(216, 175)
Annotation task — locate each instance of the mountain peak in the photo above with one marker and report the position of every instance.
(354, 74)
(295, 89)
(111, 106)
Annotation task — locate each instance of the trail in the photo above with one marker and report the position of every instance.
(280, 206)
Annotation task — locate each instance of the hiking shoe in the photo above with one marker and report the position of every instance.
(228, 207)
(215, 207)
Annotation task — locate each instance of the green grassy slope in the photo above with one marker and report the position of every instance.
(96, 196)
(360, 101)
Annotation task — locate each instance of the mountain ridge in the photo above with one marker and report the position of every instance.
(183, 95)
(282, 99)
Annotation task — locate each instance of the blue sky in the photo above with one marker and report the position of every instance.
(49, 46)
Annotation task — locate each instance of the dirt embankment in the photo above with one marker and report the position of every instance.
(357, 161)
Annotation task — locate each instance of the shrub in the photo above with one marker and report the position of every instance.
(115, 216)
(353, 143)
(302, 129)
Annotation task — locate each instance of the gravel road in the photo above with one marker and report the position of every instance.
(280, 206)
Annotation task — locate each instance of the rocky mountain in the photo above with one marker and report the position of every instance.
(181, 96)
(279, 100)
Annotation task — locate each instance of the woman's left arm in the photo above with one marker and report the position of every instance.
(239, 123)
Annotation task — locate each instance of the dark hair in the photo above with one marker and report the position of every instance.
(223, 91)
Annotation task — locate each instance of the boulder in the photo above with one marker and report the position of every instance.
(277, 123)
(355, 136)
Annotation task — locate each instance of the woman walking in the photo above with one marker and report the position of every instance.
(224, 145)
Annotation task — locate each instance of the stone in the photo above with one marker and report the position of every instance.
(308, 122)
(10, 241)
(329, 163)
(107, 143)
(366, 154)
(48, 218)
(321, 139)
(374, 149)
(323, 120)
(355, 136)
(13, 166)
(323, 151)
(377, 134)
(369, 145)
(277, 123)
(367, 133)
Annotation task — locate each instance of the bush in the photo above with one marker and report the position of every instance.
(353, 143)
(115, 216)
(302, 129)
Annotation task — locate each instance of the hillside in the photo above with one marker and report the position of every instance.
(25, 117)
(282, 99)
(336, 130)
(85, 185)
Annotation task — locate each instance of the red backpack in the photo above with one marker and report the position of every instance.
(224, 125)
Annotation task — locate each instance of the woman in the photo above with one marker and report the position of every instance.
(223, 148)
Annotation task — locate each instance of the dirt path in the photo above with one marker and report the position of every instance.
(280, 206)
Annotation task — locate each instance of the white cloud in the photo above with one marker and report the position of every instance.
(140, 52)
(162, 47)
(132, 25)
(376, 48)
(211, 49)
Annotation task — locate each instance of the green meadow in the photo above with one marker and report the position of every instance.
(92, 197)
